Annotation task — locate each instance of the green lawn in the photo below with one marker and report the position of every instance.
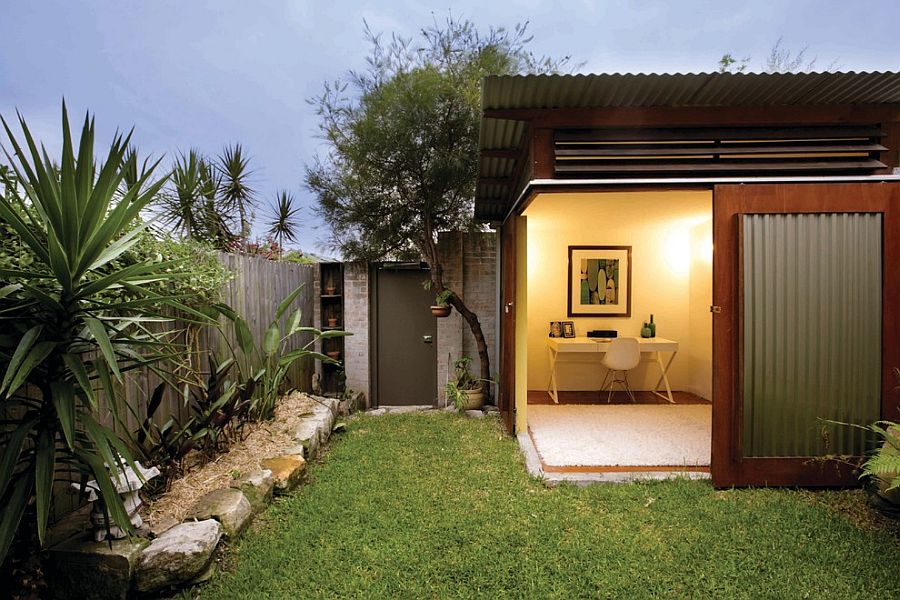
(439, 506)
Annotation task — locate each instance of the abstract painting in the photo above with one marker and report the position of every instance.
(599, 281)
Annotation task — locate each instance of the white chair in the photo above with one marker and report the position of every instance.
(623, 355)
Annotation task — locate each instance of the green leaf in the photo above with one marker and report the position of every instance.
(64, 403)
(13, 510)
(9, 289)
(286, 303)
(272, 339)
(12, 450)
(244, 337)
(294, 322)
(44, 469)
(76, 367)
(19, 355)
(98, 330)
(37, 354)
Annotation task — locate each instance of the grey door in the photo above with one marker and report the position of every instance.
(405, 338)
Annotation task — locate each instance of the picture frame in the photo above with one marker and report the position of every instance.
(556, 329)
(586, 296)
(568, 329)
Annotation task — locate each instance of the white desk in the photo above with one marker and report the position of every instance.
(581, 345)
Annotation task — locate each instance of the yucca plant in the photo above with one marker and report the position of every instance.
(71, 322)
(283, 222)
(234, 167)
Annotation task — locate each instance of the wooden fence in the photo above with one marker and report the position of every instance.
(255, 291)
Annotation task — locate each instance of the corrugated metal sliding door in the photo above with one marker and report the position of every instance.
(802, 276)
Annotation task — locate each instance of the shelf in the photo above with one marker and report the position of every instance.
(329, 296)
(335, 328)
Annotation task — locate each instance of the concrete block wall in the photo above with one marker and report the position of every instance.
(470, 269)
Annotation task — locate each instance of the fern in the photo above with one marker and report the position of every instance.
(885, 462)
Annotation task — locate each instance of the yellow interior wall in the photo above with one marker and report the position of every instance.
(667, 232)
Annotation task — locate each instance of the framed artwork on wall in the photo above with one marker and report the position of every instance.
(599, 281)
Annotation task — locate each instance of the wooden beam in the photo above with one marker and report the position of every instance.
(664, 116)
(542, 153)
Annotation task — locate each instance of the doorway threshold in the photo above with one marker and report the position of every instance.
(583, 476)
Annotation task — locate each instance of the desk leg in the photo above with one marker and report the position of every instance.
(551, 389)
(664, 377)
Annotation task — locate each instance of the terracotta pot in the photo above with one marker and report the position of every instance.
(332, 322)
(334, 354)
(441, 311)
(474, 399)
(330, 291)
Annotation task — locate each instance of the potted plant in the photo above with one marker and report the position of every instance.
(441, 307)
(463, 390)
(332, 321)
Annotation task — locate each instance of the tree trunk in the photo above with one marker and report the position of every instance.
(437, 279)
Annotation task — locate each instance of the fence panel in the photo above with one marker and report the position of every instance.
(257, 288)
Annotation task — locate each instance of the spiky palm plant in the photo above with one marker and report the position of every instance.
(234, 168)
(283, 223)
(72, 321)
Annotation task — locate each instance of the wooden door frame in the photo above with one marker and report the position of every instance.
(506, 398)
(729, 467)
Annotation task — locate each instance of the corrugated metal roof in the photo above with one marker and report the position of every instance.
(689, 89)
(641, 90)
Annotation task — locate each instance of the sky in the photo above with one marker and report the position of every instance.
(205, 73)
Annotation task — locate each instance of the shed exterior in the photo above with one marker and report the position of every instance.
(771, 148)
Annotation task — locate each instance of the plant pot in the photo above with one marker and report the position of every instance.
(332, 322)
(333, 354)
(474, 399)
(441, 311)
(330, 291)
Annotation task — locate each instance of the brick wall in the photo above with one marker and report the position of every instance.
(356, 321)
(470, 269)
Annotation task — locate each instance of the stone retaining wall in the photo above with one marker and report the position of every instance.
(183, 555)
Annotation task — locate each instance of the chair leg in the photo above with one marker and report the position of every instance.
(628, 388)
(612, 385)
(603, 385)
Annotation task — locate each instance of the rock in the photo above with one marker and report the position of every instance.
(178, 556)
(84, 569)
(489, 408)
(339, 427)
(399, 410)
(376, 412)
(475, 414)
(258, 488)
(287, 471)
(163, 525)
(228, 506)
(307, 434)
(449, 408)
(298, 450)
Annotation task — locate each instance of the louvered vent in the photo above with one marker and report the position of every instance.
(683, 152)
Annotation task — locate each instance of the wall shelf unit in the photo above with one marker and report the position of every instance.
(331, 316)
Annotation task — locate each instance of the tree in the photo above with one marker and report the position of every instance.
(283, 223)
(191, 204)
(403, 146)
(780, 60)
(234, 167)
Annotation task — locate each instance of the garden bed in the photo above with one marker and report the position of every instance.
(261, 440)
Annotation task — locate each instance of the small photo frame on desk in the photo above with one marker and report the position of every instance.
(568, 329)
(556, 329)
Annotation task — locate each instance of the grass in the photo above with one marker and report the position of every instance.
(438, 506)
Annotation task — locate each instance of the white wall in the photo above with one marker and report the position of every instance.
(666, 231)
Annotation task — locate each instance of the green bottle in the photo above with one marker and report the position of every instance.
(645, 330)
(652, 328)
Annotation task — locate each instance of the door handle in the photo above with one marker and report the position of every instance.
(427, 339)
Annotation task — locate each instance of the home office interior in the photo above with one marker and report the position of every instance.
(654, 251)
